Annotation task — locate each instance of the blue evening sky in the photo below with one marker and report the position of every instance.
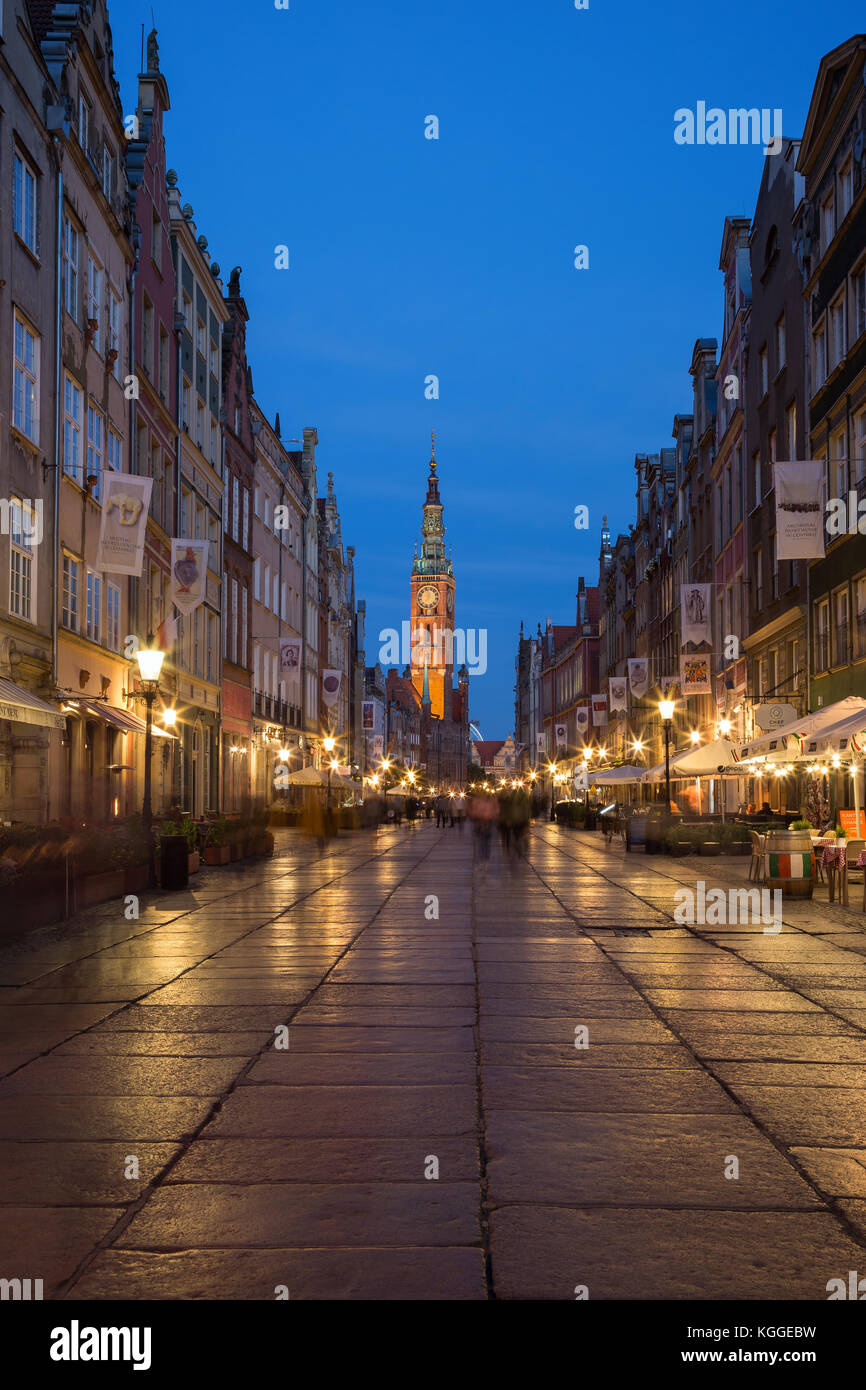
(455, 257)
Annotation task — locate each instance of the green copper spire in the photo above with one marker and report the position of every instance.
(425, 692)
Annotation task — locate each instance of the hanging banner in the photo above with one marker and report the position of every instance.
(581, 780)
(290, 656)
(695, 676)
(188, 574)
(800, 489)
(368, 714)
(618, 694)
(582, 720)
(376, 745)
(638, 676)
(599, 710)
(669, 685)
(541, 743)
(125, 502)
(331, 686)
(696, 618)
(561, 739)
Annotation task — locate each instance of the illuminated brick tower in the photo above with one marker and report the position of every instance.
(433, 606)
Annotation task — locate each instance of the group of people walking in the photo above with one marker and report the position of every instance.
(510, 810)
(450, 809)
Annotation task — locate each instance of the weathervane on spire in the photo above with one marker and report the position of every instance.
(433, 451)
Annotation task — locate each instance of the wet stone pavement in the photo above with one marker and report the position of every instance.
(428, 1128)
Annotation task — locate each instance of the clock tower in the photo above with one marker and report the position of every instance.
(432, 587)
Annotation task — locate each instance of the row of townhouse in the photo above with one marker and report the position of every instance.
(127, 355)
(787, 382)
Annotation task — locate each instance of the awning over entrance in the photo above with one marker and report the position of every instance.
(123, 719)
(810, 727)
(23, 707)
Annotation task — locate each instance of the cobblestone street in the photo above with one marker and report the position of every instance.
(432, 1130)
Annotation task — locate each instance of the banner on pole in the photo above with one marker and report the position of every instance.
(638, 676)
(599, 710)
(618, 694)
(125, 503)
(695, 676)
(696, 617)
(187, 585)
(800, 489)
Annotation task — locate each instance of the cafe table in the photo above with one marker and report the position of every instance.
(834, 857)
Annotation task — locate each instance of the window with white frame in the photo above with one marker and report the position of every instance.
(828, 222)
(236, 509)
(266, 587)
(234, 640)
(840, 626)
(70, 613)
(71, 245)
(846, 188)
(858, 302)
(73, 404)
(147, 343)
(199, 337)
(213, 359)
(85, 112)
(93, 626)
(839, 465)
(224, 613)
(821, 634)
(781, 347)
(860, 617)
(25, 379)
(95, 446)
(156, 240)
(109, 171)
(94, 302)
(186, 309)
(24, 200)
(112, 616)
(257, 579)
(23, 536)
(257, 501)
(244, 625)
(115, 451)
(859, 460)
(199, 424)
(211, 647)
(791, 430)
(245, 541)
(837, 330)
(267, 517)
(184, 401)
(819, 356)
(114, 324)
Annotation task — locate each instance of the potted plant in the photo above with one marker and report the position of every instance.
(841, 832)
(216, 850)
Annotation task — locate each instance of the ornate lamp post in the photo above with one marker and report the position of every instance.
(666, 710)
(329, 744)
(149, 667)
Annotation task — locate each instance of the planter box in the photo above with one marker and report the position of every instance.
(98, 888)
(710, 848)
(217, 854)
(194, 862)
(135, 879)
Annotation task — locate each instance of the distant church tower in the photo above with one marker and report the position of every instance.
(433, 606)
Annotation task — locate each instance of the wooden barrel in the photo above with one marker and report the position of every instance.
(790, 862)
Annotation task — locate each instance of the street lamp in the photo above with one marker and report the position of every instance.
(551, 767)
(329, 743)
(666, 710)
(150, 661)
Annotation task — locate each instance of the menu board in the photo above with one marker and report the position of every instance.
(848, 821)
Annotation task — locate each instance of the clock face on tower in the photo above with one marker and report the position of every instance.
(428, 596)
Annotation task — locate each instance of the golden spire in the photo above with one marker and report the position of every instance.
(432, 451)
